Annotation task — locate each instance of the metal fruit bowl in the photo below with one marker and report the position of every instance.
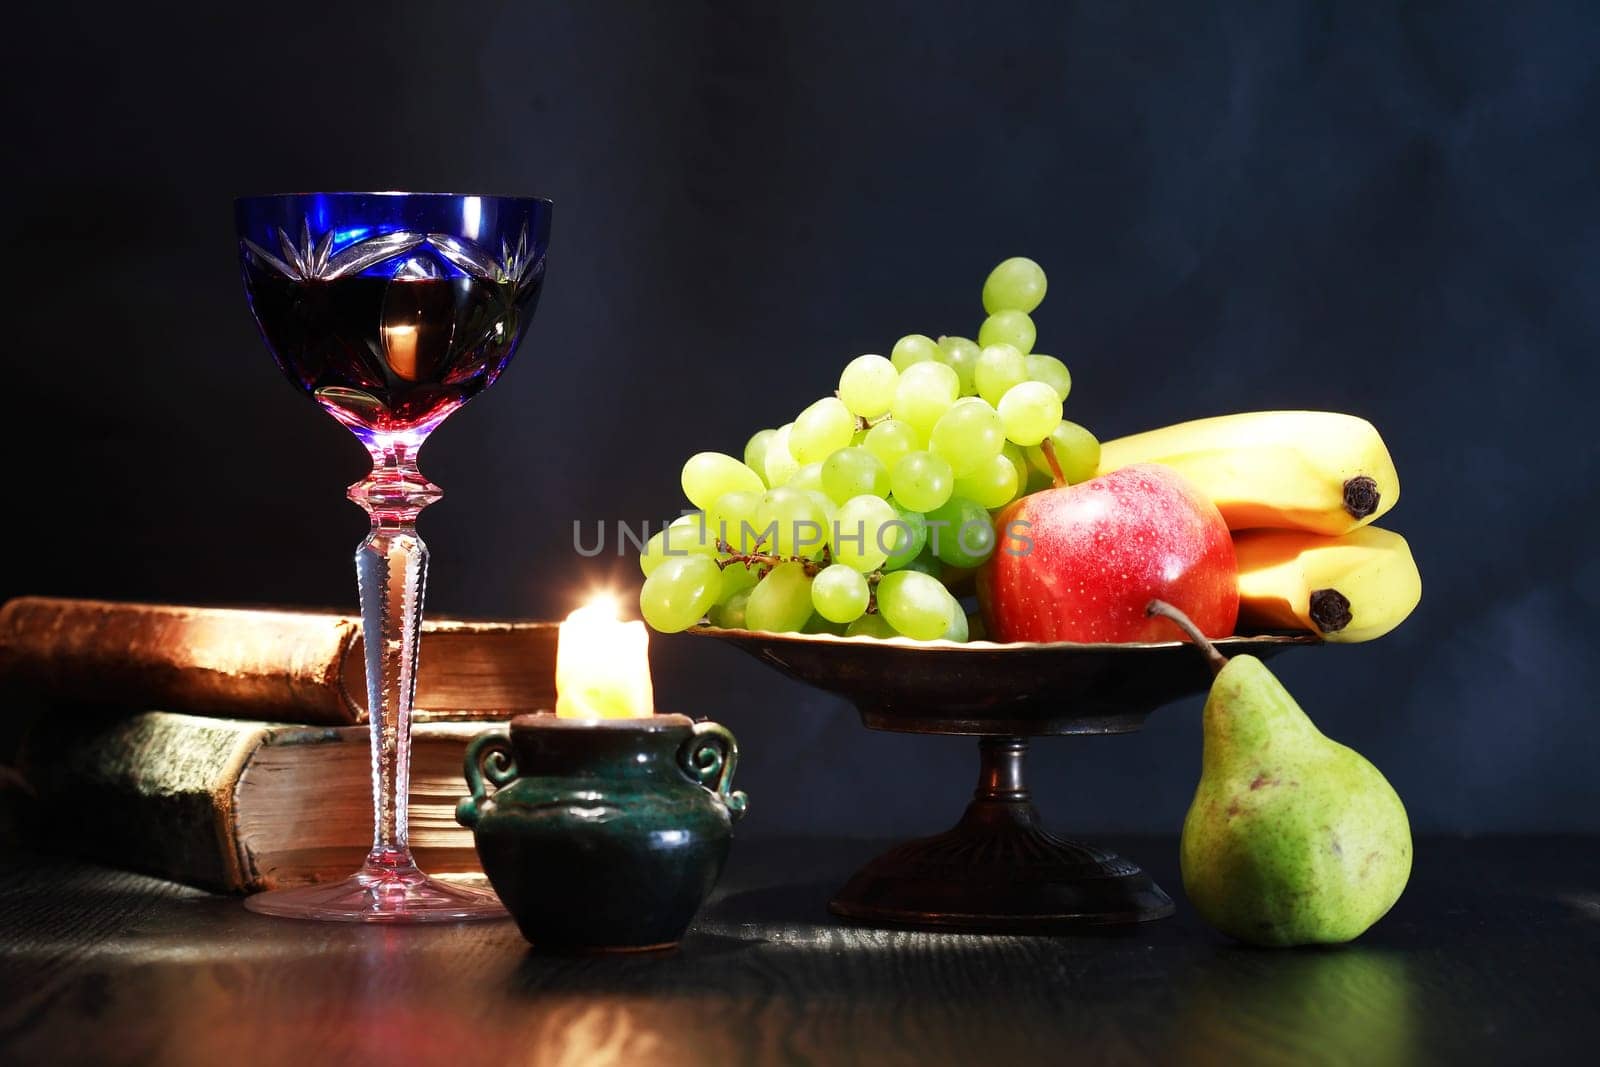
(998, 869)
(1021, 689)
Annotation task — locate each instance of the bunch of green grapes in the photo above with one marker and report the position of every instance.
(858, 517)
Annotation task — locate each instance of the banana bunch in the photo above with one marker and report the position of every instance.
(1299, 489)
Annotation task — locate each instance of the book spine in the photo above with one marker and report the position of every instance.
(153, 793)
(283, 666)
(217, 803)
(212, 661)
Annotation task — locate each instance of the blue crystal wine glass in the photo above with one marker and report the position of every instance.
(391, 310)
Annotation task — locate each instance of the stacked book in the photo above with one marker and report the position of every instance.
(227, 748)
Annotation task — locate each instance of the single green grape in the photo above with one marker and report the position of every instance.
(926, 563)
(1029, 411)
(891, 439)
(809, 476)
(910, 537)
(1052, 372)
(707, 475)
(729, 614)
(839, 593)
(829, 511)
(828, 508)
(755, 451)
(780, 602)
(732, 519)
(915, 604)
(961, 355)
(925, 392)
(790, 523)
(866, 385)
(960, 532)
(852, 471)
(687, 535)
(913, 348)
(778, 463)
(1017, 284)
(679, 592)
(994, 485)
(1012, 328)
(999, 368)
(967, 436)
(957, 630)
(922, 481)
(736, 579)
(1077, 450)
(874, 625)
(861, 534)
(820, 430)
(818, 625)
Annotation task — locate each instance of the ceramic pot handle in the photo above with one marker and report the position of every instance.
(709, 757)
(489, 760)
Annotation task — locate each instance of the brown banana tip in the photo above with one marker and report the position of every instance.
(1361, 496)
(1330, 610)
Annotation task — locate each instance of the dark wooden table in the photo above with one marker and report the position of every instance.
(1493, 955)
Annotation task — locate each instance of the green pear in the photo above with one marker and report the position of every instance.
(1292, 838)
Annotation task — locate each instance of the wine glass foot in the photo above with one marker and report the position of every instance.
(391, 895)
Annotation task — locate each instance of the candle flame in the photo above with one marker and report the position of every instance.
(599, 608)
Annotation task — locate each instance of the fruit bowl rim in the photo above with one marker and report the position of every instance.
(863, 640)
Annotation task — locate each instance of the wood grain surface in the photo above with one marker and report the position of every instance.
(1493, 955)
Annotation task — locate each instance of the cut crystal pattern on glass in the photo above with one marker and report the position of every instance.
(517, 265)
(467, 256)
(390, 341)
(311, 260)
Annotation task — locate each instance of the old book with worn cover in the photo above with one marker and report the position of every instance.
(294, 666)
(237, 806)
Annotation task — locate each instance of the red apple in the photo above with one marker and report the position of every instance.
(1080, 563)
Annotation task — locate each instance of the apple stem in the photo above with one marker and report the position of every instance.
(1216, 659)
(1048, 447)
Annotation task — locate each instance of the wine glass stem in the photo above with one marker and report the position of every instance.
(392, 572)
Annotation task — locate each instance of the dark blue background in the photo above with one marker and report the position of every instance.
(1389, 212)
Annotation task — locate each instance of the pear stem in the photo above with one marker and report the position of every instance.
(1216, 659)
(1048, 447)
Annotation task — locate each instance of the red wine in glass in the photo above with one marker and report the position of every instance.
(390, 355)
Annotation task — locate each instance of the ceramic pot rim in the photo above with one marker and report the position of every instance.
(653, 724)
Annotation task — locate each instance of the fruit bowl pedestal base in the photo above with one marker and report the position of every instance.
(998, 870)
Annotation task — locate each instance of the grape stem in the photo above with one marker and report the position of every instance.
(864, 423)
(813, 567)
(1049, 449)
(768, 560)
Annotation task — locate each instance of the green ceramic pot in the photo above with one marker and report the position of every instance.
(602, 835)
